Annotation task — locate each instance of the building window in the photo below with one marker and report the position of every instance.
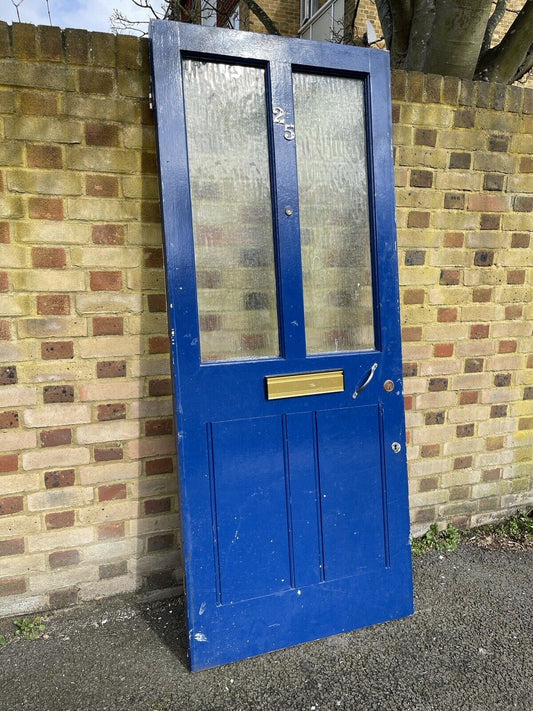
(322, 20)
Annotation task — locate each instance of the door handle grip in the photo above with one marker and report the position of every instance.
(366, 382)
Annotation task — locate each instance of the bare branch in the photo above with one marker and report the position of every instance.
(16, 6)
(503, 63)
(494, 21)
(262, 16)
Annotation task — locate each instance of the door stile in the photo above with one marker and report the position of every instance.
(286, 212)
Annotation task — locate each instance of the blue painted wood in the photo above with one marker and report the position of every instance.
(295, 519)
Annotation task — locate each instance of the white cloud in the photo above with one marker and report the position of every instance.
(90, 15)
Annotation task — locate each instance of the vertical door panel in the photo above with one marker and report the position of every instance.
(251, 508)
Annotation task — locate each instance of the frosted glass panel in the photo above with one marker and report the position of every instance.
(335, 233)
(225, 109)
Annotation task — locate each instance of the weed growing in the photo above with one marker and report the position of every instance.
(28, 628)
(435, 540)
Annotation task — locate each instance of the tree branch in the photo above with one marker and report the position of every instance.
(262, 16)
(492, 24)
(504, 62)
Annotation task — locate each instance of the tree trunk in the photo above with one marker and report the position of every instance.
(457, 35)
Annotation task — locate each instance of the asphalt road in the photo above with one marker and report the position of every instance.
(468, 647)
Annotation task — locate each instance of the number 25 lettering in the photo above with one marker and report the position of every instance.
(279, 114)
(289, 134)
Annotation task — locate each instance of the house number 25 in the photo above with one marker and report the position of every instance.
(279, 117)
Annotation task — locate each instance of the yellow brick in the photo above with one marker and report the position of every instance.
(95, 474)
(38, 280)
(113, 303)
(151, 447)
(15, 305)
(116, 430)
(51, 327)
(47, 130)
(111, 511)
(57, 414)
(111, 257)
(66, 498)
(110, 346)
(48, 458)
(44, 182)
(100, 209)
(71, 537)
(19, 483)
(15, 396)
(58, 579)
(16, 440)
(11, 526)
(40, 232)
(21, 564)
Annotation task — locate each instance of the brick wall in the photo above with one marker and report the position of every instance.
(87, 482)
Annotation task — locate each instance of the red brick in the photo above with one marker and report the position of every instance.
(48, 257)
(412, 333)
(443, 350)
(520, 240)
(157, 303)
(414, 296)
(156, 506)
(465, 430)
(107, 454)
(12, 586)
(92, 81)
(111, 491)
(450, 277)
(516, 276)
(507, 347)
(102, 134)
(430, 450)
(158, 344)
(434, 418)
(59, 478)
(106, 281)
(502, 380)
(108, 326)
(56, 438)
(45, 208)
(112, 570)
(161, 542)
(4, 281)
(13, 546)
(9, 420)
(63, 598)
(158, 388)
(429, 484)
(63, 519)
(410, 370)
(5, 330)
(53, 304)
(482, 295)
(421, 178)
(483, 258)
(447, 315)
(462, 462)
(63, 559)
(111, 411)
(38, 104)
(492, 475)
(453, 239)
(4, 233)
(418, 219)
(111, 530)
(479, 330)
(165, 465)
(153, 257)
(454, 201)
(514, 311)
(108, 234)
(498, 411)
(43, 156)
(101, 186)
(468, 397)
(474, 365)
(489, 221)
(157, 428)
(57, 350)
(8, 375)
(484, 202)
(11, 505)
(426, 137)
(437, 385)
(414, 257)
(9, 463)
(111, 369)
(58, 393)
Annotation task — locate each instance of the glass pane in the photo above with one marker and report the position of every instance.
(335, 233)
(232, 217)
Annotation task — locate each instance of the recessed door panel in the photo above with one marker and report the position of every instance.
(248, 457)
(280, 256)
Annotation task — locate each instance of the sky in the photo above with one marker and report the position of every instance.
(90, 15)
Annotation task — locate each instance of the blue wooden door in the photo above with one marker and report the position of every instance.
(281, 266)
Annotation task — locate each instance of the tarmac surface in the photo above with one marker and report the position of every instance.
(468, 647)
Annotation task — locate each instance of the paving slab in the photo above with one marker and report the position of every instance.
(468, 647)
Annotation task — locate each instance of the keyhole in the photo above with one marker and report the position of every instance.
(396, 447)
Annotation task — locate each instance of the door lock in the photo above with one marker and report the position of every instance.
(396, 447)
(388, 386)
